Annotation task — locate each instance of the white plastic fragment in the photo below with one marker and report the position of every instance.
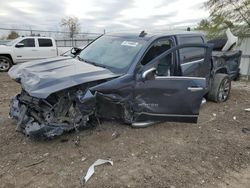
(231, 40)
(234, 117)
(204, 101)
(247, 109)
(91, 169)
(83, 159)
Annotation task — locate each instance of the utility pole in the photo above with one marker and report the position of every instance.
(30, 31)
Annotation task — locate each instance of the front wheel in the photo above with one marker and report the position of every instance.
(220, 88)
(5, 64)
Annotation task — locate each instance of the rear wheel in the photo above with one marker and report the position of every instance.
(220, 88)
(5, 64)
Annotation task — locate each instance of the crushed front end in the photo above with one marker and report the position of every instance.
(50, 117)
(55, 96)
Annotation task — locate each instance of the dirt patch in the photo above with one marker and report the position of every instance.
(213, 153)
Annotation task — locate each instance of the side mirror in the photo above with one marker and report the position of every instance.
(149, 74)
(73, 51)
(20, 45)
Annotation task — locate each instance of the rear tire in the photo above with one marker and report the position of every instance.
(5, 63)
(220, 88)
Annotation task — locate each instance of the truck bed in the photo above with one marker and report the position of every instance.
(230, 60)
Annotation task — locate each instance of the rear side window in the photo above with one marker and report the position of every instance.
(191, 54)
(28, 42)
(45, 42)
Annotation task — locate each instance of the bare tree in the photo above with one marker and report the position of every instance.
(72, 24)
(12, 35)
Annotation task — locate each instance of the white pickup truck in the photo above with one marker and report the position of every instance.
(25, 49)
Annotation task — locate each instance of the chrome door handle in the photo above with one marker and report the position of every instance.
(193, 89)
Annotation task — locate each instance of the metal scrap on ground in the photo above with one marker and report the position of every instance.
(91, 169)
(245, 130)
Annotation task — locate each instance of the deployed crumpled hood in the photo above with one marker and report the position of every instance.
(43, 77)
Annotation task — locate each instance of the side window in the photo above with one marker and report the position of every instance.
(28, 42)
(193, 66)
(155, 50)
(45, 42)
(191, 54)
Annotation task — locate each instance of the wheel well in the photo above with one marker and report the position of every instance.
(7, 55)
(222, 70)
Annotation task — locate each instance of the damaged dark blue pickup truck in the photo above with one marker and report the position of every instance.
(138, 79)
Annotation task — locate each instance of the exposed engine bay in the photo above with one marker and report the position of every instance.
(65, 111)
(50, 117)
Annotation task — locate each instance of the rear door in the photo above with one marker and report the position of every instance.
(46, 48)
(192, 59)
(169, 97)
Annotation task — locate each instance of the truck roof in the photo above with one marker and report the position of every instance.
(36, 37)
(149, 36)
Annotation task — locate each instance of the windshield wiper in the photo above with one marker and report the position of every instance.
(98, 65)
(79, 58)
(91, 62)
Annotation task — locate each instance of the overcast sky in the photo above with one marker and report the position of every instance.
(97, 15)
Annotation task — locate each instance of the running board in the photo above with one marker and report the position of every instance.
(143, 124)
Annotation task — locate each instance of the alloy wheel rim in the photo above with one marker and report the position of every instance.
(224, 90)
(4, 65)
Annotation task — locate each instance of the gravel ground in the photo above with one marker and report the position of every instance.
(213, 153)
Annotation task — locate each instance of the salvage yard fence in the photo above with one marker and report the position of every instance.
(244, 46)
(62, 37)
(72, 42)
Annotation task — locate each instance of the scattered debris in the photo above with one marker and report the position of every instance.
(247, 109)
(211, 119)
(64, 140)
(35, 163)
(46, 154)
(77, 141)
(91, 169)
(115, 135)
(83, 159)
(245, 130)
(204, 101)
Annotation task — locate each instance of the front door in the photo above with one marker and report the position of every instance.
(166, 97)
(27, 52)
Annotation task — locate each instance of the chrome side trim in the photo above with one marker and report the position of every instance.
(179, 77)
(193, 89)
(166, 115)
(192, 62)
(143, 124)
